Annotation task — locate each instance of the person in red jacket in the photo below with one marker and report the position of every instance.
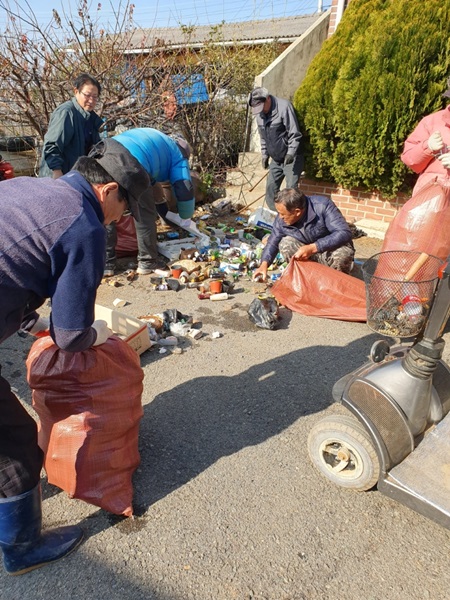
(427, 149)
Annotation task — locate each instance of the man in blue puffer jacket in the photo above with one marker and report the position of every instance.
(308, 228)
(165, 159)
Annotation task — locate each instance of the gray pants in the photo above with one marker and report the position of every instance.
(340, 259)
(145, 233)
(277, 172)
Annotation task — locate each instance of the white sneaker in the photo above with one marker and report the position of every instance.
(144, 271)
(108, 273)
(147, 269)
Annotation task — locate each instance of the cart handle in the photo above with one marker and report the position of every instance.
(418, 263)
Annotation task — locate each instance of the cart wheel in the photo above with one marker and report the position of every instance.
(380, 349)
(343, 451)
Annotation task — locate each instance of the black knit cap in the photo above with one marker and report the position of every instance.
(124, 169)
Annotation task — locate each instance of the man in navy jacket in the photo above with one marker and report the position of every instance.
(308, 228)
(52, 245)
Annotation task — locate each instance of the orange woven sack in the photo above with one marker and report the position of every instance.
(423, 223)
(315, 290)
(89, 406)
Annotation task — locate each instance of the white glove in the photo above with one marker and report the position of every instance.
(435, 142)
(42, 324)
(102, 330)
(445, 160)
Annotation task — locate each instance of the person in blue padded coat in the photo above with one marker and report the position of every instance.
(165, 158)
(308, 228)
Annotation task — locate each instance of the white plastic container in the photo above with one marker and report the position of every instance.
(262, 217)
(221, 296)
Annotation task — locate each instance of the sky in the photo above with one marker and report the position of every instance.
(173, 13)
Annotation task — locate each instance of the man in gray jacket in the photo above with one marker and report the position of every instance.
(280, 140)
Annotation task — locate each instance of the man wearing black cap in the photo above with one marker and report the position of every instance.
(280, 140)
(52, 245)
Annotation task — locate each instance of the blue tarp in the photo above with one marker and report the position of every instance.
(190, 89)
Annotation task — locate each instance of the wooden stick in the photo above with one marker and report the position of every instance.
(259, 181)
(416, 266)
(251, 203)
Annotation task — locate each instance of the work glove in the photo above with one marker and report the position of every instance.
(435, 143)
(265, 162)
(288, 159)
(41, 325)
(102, 330)
(186, 208)
(445, 159)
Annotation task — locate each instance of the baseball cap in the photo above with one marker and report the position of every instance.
(124, 169)
(256, 99)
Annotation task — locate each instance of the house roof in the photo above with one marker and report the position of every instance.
(284, 29)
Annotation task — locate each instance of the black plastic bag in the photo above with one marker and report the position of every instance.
(263, 311)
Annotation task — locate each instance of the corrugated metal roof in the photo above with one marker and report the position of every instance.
(264, 30)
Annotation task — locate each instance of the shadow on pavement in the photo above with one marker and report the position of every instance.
(193, 425)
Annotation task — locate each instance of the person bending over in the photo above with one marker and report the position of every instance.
(166, 159)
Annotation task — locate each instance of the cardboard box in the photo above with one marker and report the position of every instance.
(133, 331)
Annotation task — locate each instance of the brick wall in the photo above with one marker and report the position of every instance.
(356, 204)
(332, 25)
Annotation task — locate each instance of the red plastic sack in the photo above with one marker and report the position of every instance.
(126, 237)
(89, 406)
(423, 223)
(315, 290)
(6, 170)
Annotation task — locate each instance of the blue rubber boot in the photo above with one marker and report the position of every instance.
(24, 546)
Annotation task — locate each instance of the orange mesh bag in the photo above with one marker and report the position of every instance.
(423, 223)
(126, 237)
(89, 406)
(315, 290)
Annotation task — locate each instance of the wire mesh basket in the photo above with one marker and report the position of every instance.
(400, 287)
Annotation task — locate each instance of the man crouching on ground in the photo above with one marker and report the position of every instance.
(308, 228)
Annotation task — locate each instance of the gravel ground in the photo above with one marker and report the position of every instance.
(228, 504)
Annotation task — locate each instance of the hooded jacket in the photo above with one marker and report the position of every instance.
(163, 160)
(418, 156)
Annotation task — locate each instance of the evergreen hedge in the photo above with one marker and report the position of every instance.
(383, 70)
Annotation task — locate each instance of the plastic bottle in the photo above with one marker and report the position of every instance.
(412, 307)
(221, 296)
(104, 131)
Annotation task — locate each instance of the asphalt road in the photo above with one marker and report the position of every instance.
(228, 503)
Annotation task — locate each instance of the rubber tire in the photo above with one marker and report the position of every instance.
(347, 432)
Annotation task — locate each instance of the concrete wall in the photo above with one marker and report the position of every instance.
(284, 75)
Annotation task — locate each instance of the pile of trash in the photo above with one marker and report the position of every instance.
(219, 247)
(167, 327)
